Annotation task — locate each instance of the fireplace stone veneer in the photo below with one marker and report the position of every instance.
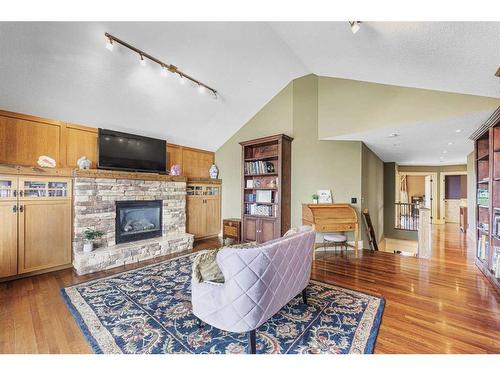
(94, 203)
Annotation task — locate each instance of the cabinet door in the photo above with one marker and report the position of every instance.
(267, 230)
(213, 216)
(80, 141)
(250, 227)
(44, 188)
(8, 238)
(195, 215)
(8, 188)
(44, 234)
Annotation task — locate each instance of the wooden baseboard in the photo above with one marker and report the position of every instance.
(34, 273)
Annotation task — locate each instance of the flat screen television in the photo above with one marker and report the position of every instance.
(131, 152)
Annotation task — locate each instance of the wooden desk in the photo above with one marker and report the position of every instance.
(331, 217)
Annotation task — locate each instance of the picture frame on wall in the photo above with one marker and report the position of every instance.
(325, 196)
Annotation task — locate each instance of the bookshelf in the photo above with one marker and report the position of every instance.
(487, 154)
(266, 187)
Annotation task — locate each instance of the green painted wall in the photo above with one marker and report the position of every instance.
(372, 191)
(274, 118)
(347, 106)
(316, 164)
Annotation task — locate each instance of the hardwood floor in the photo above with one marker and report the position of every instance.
(441, 305)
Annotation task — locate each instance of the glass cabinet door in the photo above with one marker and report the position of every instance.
(43, 188)
(8, 187)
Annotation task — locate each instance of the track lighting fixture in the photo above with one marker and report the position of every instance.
(109, 44)
(164, 66)
(355, 26)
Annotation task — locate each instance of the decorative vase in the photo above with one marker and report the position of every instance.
(88, 246)
(214, 171)
(315, 201)
(175, 170)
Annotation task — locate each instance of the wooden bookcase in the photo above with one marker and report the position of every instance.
(487, 154)
(266, 187)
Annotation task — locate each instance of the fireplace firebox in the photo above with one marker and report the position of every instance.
(138, 220)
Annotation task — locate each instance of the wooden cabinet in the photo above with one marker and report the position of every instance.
(80, 141)
(203, 209)
(231, 228)
(260, 229)
(266, 167)
(35, 213)
(194, 163)
(25, 138)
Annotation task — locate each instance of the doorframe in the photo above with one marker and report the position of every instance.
(442, 194)
(434, 176)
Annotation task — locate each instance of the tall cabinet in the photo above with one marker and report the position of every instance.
(35, 212)
(203, 208)
(487, 155)
(266, 187)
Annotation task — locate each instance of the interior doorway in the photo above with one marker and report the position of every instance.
(418, 189)
(453, 196)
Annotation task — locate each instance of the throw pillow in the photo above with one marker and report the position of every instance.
(205, 267)
(291, 232)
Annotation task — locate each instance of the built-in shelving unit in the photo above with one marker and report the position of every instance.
(487, 152)
(266, 169)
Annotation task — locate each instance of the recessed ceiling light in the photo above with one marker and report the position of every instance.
(450, 143)
(445, 151)
(392, 135)
(396, 144)
(458, 131)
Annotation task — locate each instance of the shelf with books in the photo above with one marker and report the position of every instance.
(265, 203)
(487, 155)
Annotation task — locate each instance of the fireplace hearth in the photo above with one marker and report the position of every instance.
(138, 220)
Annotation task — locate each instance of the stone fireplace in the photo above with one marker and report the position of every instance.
(137, 220)
(141, 215)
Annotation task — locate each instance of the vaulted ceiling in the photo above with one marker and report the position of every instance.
(63, 71)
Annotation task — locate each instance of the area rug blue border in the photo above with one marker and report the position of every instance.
(148, 310)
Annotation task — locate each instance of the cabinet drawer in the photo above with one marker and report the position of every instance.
(335, 228)
(230, 231)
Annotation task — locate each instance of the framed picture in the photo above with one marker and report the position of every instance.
(325, 196)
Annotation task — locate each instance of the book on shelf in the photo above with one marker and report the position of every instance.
(256, 209)
(264, 196)
(483, 197)
(259, 167)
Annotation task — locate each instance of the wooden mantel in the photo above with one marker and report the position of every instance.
(102, 173)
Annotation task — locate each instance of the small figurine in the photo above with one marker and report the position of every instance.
(84, 163)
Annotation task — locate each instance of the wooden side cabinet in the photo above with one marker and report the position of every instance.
(203, 209)
(35, 234)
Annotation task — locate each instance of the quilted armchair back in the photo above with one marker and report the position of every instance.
(259, 281)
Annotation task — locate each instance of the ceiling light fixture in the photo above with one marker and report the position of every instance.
(164, 71)
(392, 135)
(355, 26)
(181, 79)
(165, 67)
(458, 131)
(445, 151)
(450, 143)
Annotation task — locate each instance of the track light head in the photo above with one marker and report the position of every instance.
(143, 62)
(163, 71)
(201, 89)
(182, 80)
(355, 26)
(109, 44)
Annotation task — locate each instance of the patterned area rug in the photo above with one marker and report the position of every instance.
(148, 310)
